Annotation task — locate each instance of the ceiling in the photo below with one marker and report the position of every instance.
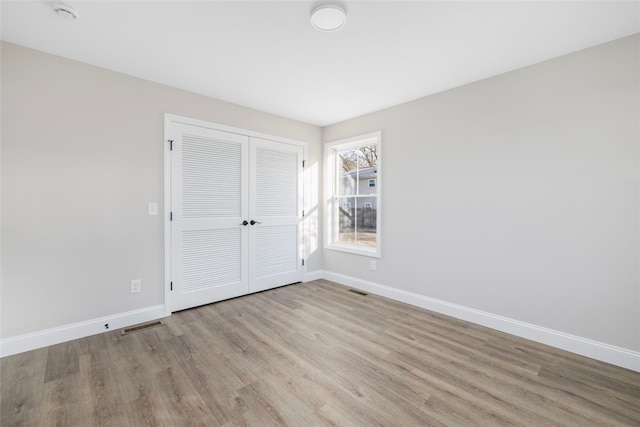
(265, 54)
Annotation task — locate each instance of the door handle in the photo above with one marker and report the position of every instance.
(255, 222)
(245, 222)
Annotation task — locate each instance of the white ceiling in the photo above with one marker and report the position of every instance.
(266, 55)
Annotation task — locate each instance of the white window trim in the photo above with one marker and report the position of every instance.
(329, 188)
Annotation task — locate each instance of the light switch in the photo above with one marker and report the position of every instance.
(153, 208)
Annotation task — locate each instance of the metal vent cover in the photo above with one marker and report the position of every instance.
(141, 326)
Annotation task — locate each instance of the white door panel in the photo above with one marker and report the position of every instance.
(209, 201)
(276, 182)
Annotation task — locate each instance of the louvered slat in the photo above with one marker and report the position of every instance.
(210, 258)
(211, 178)
(276, 250)
(277, 183)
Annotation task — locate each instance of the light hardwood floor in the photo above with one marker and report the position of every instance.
(313, 355)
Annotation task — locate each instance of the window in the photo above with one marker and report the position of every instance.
(353, 179)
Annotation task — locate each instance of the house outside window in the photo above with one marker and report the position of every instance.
(353, 178)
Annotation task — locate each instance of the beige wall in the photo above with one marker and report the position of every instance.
(82, 155)
(518, 195)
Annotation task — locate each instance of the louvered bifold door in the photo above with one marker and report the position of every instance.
(209, 202)
(276, 207)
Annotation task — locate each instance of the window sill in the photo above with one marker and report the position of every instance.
(354, 249)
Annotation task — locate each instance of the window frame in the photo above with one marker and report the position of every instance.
(331, 182)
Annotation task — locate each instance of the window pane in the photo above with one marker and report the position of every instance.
(347, 183)
(347, 172)
(366, 221)
(346, 220)
(367, 156)
(368, 169)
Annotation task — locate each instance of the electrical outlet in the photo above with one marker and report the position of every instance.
(374, 265)
(136, 286)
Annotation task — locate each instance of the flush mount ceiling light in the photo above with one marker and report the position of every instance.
(328, 17)
(66, 11)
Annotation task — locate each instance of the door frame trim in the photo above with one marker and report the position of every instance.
(174, 118)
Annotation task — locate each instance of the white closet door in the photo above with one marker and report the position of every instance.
(276, 207)
(209, 202)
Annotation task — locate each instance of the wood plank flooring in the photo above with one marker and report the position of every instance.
(313, 355)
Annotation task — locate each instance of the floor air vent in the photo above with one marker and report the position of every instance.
(355, 291)
(141, 326)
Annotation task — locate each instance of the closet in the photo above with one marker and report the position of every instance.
(235, 212)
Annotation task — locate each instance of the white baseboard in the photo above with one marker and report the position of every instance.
(310, 276)
(596, 350)
(34, 340)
